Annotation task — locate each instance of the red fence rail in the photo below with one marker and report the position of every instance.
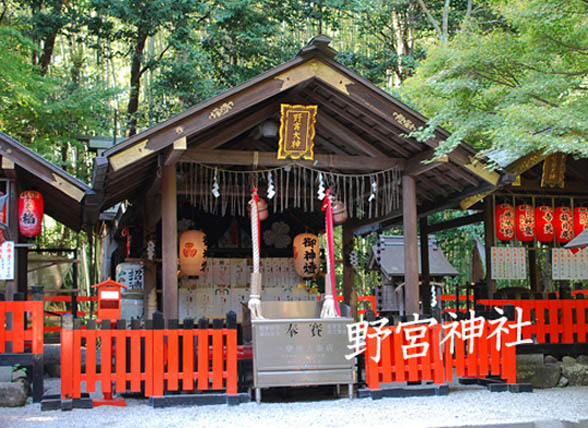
(149, 360)
(440, 360)
(21, 337)
(552, 321)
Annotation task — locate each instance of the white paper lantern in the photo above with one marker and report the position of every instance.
(192, 252)
(306, 255)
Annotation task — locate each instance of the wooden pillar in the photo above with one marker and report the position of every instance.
(169, 232)
(533, 272)
(411, 253)
(348, 277)
(489, 243)
(425, 266)
(13, 235)
(151, 215)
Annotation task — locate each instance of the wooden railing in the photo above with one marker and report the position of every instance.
(440, 361)
(552, 321)
(149, 358)
(21, 337)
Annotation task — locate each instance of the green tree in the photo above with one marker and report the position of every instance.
(519, 87)
(131, 23)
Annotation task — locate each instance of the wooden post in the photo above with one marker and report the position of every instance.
(489, 243)
(13, 235)
(425, 266)
(411, 253)
(151, 215)
(533, 268)
(169, 235)
(348, 280)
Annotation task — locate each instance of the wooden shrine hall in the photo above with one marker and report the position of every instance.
(65, 198)
(200, 165)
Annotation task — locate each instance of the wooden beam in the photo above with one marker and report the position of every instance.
(475, 166)
(217, 137)
(425, 267)
(338, 111)
(326, 123)
(169, 238)
(8, 167)
(456, 222)
(269, 159)
(489, 242)
(415, 165)
(411, 254)
(175, 152)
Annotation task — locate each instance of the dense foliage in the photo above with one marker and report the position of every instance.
(507, 74)
(520, 86)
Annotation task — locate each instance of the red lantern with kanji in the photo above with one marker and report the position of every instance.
(30, 213)
(544, 223)
(525, 220)
(564, 224)
(580, 219)
(193, 252)
(505, 222)
(306, 255)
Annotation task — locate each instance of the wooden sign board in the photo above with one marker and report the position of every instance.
(297, 132)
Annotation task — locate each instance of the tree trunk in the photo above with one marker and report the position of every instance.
(49, 43)
(136, 72)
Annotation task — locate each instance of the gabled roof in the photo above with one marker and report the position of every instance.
(63, 194)
(388, 258)
(355, 118)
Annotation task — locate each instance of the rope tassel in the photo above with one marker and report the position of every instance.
(330, 309)
(254, 303)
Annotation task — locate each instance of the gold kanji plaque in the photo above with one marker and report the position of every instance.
(297, 132)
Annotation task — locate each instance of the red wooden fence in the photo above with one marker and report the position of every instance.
(393, 367)
(21, 337)
(553, 321)
(27, 326)
(148, 360)
(439, 361)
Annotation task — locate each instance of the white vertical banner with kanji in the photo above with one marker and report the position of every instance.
(7, 261)
(509, 263)
(567, 264)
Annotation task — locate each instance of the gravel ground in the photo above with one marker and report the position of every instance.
(464, 406)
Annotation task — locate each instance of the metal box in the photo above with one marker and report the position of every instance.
(299, 351)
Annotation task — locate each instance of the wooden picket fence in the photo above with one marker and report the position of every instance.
(552, 321)
(149, 358)
(439, 362)
(21, 337)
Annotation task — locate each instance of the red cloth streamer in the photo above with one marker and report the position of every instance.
(126, 232)
(331, 246)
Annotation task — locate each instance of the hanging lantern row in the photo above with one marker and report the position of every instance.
(541, 223)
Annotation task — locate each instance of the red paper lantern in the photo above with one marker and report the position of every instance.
(580, 219)
(564, 224)
(262, 211)
(505, 222)
(544, 223)
(193, 252)
(525, 220)
(30, 213)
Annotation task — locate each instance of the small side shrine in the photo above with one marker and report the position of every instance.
(387, 258)
(308, 127)
(31, 186)
(530, 222)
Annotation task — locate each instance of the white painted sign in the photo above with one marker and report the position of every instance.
(7, 261)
